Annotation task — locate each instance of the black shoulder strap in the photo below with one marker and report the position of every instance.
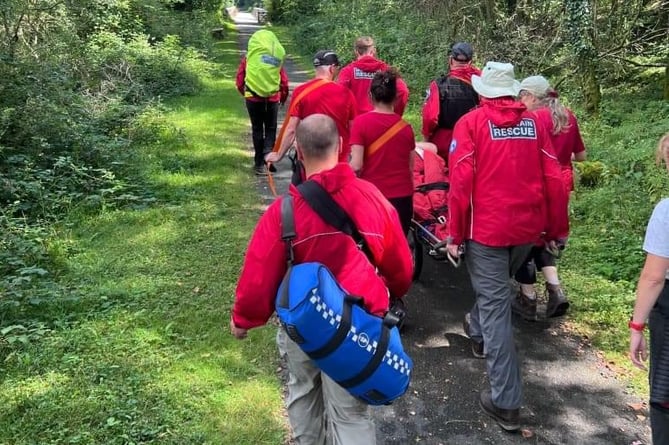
(287, 236)
(287, 221)
(327, 208)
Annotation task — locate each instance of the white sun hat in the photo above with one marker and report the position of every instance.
(537, 85)
(496, 80)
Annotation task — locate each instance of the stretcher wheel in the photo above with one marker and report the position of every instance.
(416, 254)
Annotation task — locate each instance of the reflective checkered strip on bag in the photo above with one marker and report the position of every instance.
(391, 359)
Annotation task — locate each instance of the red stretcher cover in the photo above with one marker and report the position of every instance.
(430, 199)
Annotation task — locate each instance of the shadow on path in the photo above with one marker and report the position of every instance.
(570, 397)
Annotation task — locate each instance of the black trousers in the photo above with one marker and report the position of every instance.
(263, 116)
(404, 207)
(538, 258)
(658, 322)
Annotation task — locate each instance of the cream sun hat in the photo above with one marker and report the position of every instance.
(496, 80)
(537, 85)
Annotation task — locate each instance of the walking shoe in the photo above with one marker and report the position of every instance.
(557, 301)
(524, 306)
(508, 419)
(477, 346)
(259, 170)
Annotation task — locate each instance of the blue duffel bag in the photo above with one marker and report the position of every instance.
(360, 351)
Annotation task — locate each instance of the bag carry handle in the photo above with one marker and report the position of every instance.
(373, 364)
(342, 331)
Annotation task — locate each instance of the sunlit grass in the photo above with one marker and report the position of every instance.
(142, 352)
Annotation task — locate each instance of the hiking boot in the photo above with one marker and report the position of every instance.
(557, 301)
(508, 419)
(477, 346)
(524, 306)
(259, 170)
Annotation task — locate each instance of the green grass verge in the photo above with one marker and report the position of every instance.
(141, 352)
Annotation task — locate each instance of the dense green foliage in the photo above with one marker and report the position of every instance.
(122, 249)
(79, 82)
(583, 44)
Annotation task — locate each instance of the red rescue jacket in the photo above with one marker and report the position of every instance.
(357, 77)
(429, 205)
(565, 144)
(374, 217)
(505, 183)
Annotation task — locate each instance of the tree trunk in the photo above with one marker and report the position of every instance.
(591, 90)
(489, 11)
(580, 28)
(666, 81)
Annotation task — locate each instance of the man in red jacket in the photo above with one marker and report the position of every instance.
(319, 96)
(314, 400)
(357, 76)
(449, 98)
(506, 190)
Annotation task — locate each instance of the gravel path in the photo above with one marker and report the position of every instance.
(570, 395)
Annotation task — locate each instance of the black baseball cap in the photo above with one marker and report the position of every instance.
(462, 52)
(326, 57)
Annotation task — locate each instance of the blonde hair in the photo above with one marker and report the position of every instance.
(363, 44)
(662, 153)
(559, 113)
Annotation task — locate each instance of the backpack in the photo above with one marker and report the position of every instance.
(264, 58)
(360, 351)
(456, 98)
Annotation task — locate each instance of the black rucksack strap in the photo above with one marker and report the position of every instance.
(456, 98)
(327, 208)
(287, 236)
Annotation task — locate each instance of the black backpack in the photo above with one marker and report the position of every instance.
(456, 98)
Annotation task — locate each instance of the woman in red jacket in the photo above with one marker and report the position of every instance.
(537, 95)
(381, 146)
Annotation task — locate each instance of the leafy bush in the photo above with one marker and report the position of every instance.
(75, 95)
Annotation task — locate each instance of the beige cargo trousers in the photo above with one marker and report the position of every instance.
(320, 411)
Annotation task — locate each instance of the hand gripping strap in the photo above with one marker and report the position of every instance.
(287, 235)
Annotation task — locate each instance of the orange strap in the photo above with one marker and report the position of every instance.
(270, 180)
(385, 137)
(293, 104)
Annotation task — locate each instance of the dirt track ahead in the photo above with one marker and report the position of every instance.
(570, 396)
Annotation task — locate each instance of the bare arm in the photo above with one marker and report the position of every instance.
(651, 283)
(286, 142)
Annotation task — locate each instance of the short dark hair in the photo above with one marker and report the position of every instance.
(316, 136)
(384, 86)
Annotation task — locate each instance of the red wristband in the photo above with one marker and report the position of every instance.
(639, 327)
